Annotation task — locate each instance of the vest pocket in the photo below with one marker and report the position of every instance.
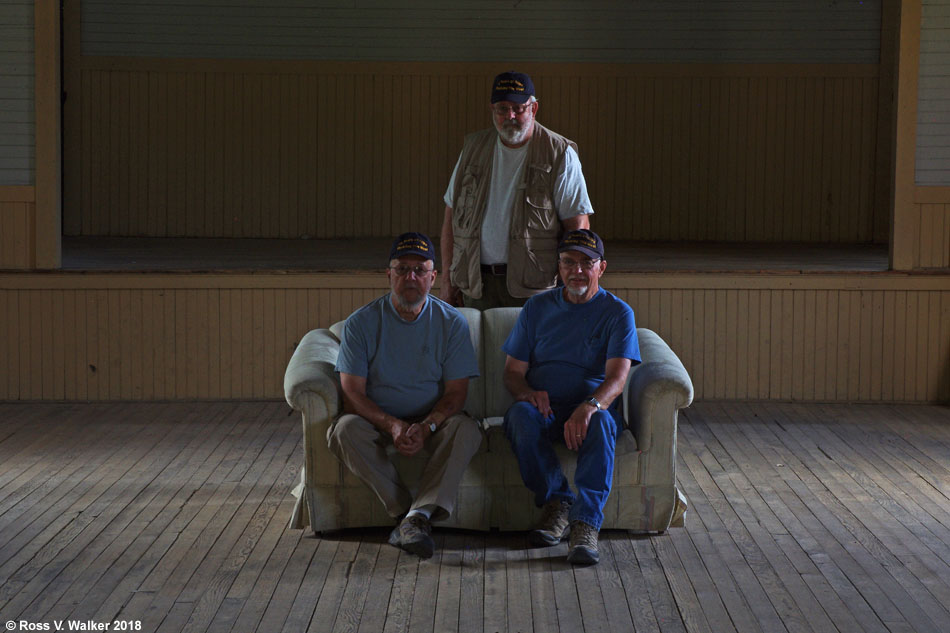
(540, 219)
(540, 268)
(464, 210)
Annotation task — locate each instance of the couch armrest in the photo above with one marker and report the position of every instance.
(656, 390)
(311, 369)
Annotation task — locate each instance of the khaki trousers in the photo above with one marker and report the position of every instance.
(362, 448)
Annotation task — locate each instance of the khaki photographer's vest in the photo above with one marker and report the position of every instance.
(535, 227)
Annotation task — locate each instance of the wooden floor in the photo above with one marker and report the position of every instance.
(172, 517)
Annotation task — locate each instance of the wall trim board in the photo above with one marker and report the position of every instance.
(932, 195)
(488, 69)
(49, 149)
(904, 226)
(17, 193)
(884, 281)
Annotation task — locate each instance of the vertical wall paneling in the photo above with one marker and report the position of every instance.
(171, 338)
(17, 237)
(349, 150)
(934, 235)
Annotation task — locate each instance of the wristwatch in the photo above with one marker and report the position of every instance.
(433, 427)
(594, 402)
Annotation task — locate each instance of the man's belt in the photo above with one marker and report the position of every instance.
(495, 269)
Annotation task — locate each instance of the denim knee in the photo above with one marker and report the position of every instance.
(523, 420)
(603, 428)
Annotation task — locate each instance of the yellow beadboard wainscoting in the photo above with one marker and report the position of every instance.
(284, 149)
(84, 336)
(932, 241)
(17, 227)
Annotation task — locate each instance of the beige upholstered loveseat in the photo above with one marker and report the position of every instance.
(644, 497)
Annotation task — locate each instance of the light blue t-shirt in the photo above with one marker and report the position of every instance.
(567, 345)
(405, 363)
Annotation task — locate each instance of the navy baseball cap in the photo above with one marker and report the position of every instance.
(583, 240)
(412, 244)
(513, 87)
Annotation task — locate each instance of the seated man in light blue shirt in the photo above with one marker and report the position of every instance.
(404, 363)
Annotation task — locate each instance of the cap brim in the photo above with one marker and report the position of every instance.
(412, 251)
(513, 97)
(582, 249)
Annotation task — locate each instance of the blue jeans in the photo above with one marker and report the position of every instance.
(532, 439)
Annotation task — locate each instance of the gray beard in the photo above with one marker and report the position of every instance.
(402, 304)
(577, 292)
(513, 135)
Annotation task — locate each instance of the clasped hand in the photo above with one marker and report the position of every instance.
(408, 438)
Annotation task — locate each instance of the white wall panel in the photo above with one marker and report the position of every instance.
(933, 107)
(16, 93)
(487, 30)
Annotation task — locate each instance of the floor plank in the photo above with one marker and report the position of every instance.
(802, 517)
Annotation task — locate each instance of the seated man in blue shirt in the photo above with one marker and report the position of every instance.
(404, 365)
(568, 358)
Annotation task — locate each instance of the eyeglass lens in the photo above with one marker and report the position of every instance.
(586, 264)
(403, 270)
(506, 110)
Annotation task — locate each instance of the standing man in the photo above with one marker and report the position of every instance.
(568, 358)
(404, 365)
(515, 188)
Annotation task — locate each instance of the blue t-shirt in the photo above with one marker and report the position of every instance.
(567, 345)
(405, 363)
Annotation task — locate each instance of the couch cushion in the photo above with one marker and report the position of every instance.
(496, 325)
(475, 402)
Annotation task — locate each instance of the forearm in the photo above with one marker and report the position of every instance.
(614, 381)
(446, 407)
(361, 405)
(451, 402)
(608, 391)
(517, 384)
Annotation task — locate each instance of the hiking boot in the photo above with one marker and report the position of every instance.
(583, 545)
(553, 526)
(414, 534)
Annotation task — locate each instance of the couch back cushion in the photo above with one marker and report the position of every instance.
(475, 402)
(496, 325)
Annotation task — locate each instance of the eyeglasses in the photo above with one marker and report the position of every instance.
(402, 270)
(503, 110)
(570, 264)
